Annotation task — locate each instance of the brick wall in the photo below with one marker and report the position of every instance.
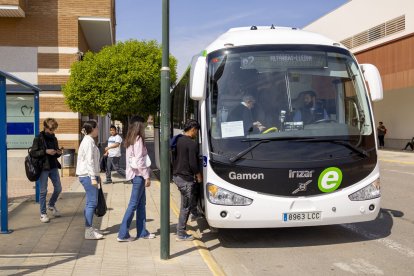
(54, 23)
(38, 28)
(68, 125)
(50, 22)
(56, 60)
(57, 80)
(53, 104)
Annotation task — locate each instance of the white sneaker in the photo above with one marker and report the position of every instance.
(55, 211)
(130, 239)
(44, 218)
(91, 234)
(150, 236)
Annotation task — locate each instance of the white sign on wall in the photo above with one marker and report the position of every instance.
(20, 121)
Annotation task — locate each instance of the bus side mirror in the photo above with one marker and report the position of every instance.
(198, 76)
(373, 79)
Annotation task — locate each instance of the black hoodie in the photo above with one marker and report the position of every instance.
(42, 142)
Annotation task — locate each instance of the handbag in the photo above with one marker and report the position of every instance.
(101, 208)
(133, 162)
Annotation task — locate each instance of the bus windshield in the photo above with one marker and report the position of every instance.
(292, 92)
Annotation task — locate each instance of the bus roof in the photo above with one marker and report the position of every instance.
(262, 35)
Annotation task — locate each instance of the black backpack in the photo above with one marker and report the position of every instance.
(173, 148)
(33, 166)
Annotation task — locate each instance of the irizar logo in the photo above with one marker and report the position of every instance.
(330, 179)
(300, 174)
(246, 176)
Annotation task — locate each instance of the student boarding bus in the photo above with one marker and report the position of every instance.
(287, 131)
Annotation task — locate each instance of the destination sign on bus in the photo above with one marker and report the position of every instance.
(283, 59)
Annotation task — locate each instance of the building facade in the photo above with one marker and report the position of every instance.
(380, 32)
(39, 40)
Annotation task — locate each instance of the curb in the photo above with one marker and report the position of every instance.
(198, 243)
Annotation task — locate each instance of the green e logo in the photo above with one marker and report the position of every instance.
(330, 179)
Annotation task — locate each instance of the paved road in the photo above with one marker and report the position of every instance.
(381, 247)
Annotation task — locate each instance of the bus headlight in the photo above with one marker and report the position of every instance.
(220, 196)
(368, 192)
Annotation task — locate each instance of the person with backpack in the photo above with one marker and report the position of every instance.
(186, 175)
(45, 147)
(381, 131)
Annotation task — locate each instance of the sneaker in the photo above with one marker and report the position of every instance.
(91, 234)
(44, 218)
(108, 181)
(55, 211)
(185, 237)
(130, 239)
(149, 236)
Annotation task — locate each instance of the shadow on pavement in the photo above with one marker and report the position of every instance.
(33, 246)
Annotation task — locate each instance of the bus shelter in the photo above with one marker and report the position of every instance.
(3, 141)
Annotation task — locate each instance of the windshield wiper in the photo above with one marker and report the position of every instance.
(286, 138)
(260, 141)
(244, 152)
(345, 143)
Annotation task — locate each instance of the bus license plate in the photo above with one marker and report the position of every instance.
(302, 216)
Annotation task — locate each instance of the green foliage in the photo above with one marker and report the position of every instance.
(122, 79)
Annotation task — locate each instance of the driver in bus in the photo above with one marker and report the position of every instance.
(244, 112)
(311, 110)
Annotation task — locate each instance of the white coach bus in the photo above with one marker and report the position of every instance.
(287, 132)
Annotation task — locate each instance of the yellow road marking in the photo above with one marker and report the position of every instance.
(397, 161)
(201, 247)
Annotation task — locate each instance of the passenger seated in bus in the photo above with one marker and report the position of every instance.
(271, 97)
(244, 112)
(311, 110)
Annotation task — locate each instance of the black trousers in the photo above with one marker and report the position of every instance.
(409, 144)
(188, 190)
(381, 140)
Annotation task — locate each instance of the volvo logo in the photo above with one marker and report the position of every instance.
(246, 176)
(302, 187)
(300, 174)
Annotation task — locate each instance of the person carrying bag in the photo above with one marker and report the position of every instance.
(87, 170)
(138, 171)
(45, 150)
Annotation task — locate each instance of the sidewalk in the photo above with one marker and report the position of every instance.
(396, 156)
(59, 247)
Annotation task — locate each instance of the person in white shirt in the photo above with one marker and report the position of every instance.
(113, 152)
(87, 169)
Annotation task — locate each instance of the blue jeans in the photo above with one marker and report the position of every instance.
(53, 174)
(91, 199)
(136, 203)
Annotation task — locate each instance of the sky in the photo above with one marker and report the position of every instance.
(194, 24)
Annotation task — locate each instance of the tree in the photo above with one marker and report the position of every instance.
(122, 79)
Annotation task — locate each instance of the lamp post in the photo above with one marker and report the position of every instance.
(164, 135)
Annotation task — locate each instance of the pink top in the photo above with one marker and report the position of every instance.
(138, 150)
